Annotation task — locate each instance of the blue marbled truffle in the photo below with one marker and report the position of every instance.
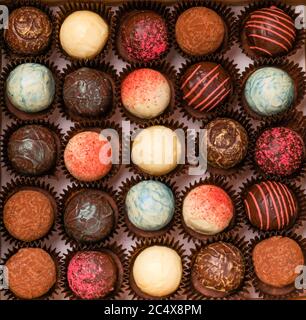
(150, 205)
(30, 87)
(269, 91)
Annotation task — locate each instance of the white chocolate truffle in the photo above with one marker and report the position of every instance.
(157, 271)
(83, 34)
(156, 150)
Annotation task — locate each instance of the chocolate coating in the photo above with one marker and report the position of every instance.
(89, 216)
(227, 143)
(271, 206)
(205, 86)
(88, 92)
(29, 31)
(92, 274)
(32, 150)
(219, 267)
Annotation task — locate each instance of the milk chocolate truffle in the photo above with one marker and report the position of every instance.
(92, 274)
(208, 209)
(157, 271)
(279, 151)
(32, 150)
(88, 93)
(29, 31)
(205, 86)
(270, 32)
(142, 36)
(32, 273)
(218, 267)
(83, 34)
(199, 31)
(227, 143)
(145, 93)
(271, 205)
(28, 215)
(276, 259)
(89, 216)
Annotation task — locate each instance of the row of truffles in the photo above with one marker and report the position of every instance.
(217, 270)
(143, 35)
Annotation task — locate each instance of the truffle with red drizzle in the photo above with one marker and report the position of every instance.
(270, 205)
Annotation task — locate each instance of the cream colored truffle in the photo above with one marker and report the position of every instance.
(83, 34)
(156, 150)
(157, 271)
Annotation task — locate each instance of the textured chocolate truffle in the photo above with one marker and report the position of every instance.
(218, 267)
(199, 31)
(92, 274)
(28, 215)
(205, 86)
(275, 261)
(32, 150)
(271, 205)
(32, 273)
(89, 216)
(142, 36)
(270, 32)
(29, 31)
(227, 143)
(88, 92)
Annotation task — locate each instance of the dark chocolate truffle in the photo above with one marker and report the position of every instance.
(92, 274)
(88, 92)
(142, 36)
(269, 32)
(227, 143)
(205, 86)
(32, 273)
(89, 215)
(279, 151)
(218, 268)
(271, 205)
(29, 31)
(32, 150)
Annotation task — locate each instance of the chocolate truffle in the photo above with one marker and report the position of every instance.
(89, 216)
(92, 274)
(269, 32)
(83, 34)
(199, 31)
(271, 206)
(32, 150)
(269, 91)
(88, 155)
(150, 205)
(88, 93)
(218, 268)
(142, 36)
(30, 87)
(145, 93)
(275, 261)
(227, 143)
(28, 215)
(157, 271)
(32, 273)
(156, 150)
(29, 31)
(208, 209)
(205, 86)
(279, 151)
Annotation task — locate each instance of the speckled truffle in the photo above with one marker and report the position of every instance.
(145, 93)
(279, 151)
(92, 274)
(30, 87)
(207, 209)
(150, 205)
